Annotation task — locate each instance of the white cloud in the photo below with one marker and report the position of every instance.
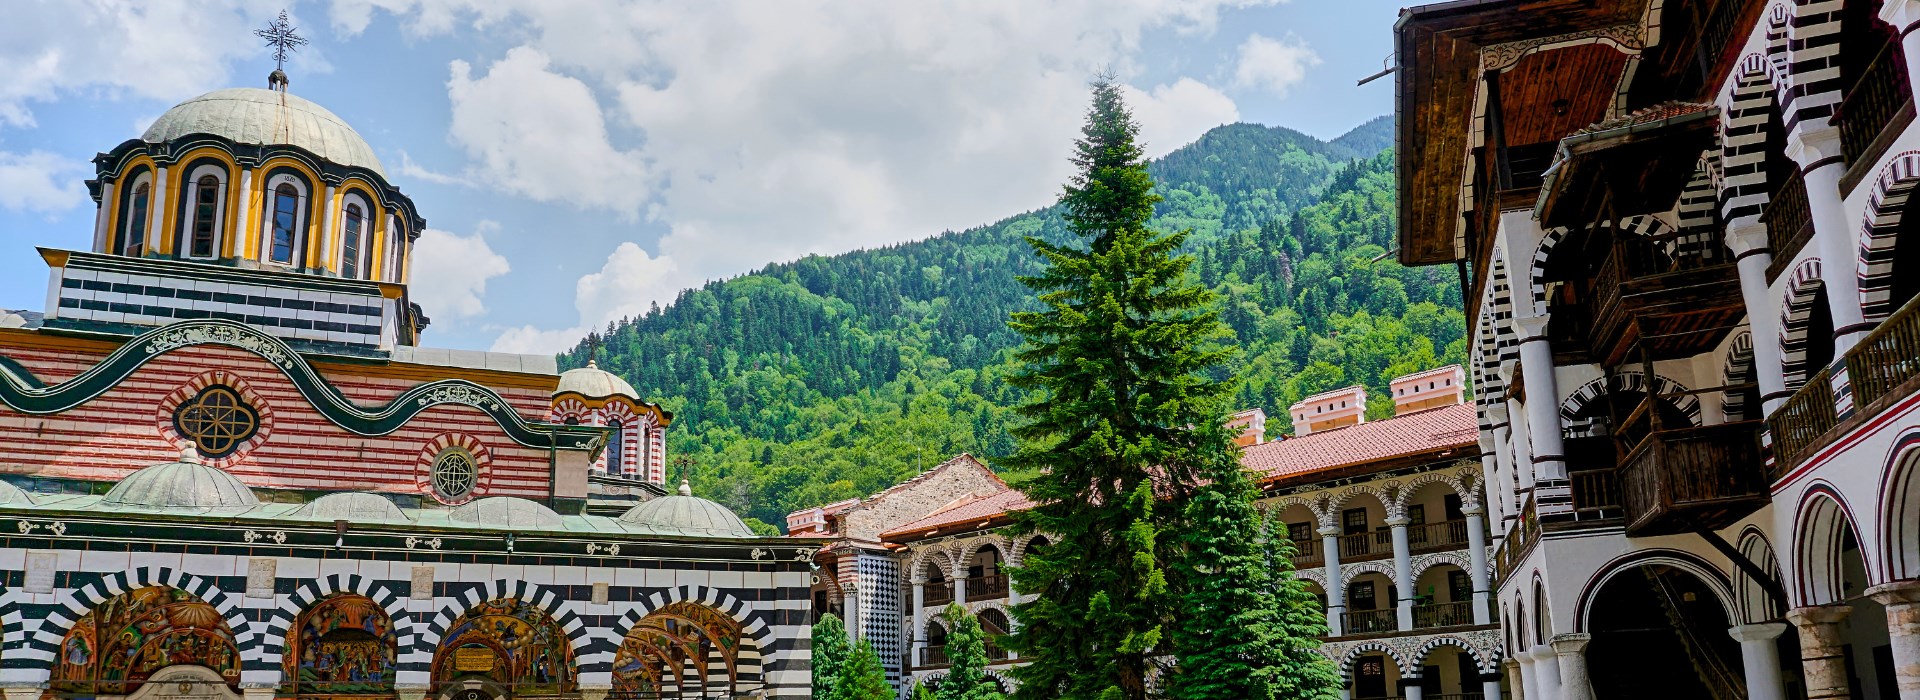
(42, 182)
(1172, 116)
(629, 282)
(450, 272)
(532, 340)
(1274, 65)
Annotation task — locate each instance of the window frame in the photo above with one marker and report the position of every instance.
(303, 197)
(191, 188)
(139, 201)
(353, 226)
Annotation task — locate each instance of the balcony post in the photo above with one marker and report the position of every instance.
(1822, 650)
(1748, 239)
(1761, 659)
(1498, 488)
(1336, 588)
(1402, 571)
(1489, 686)
(1572, 652)
(1543, 399)
(850, 604)
(1529, 676)
(1516, 679)
(1903, 15)
(1816, 148)
(919, 635)
(1902, 600)
(1410, 688)
(1477, 564)
(959, 579)
(1520, 448)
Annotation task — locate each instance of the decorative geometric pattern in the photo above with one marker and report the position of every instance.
(1796, 314)
(1891, 191)
(217, 421)
(454, 475)
(452, 468)
(1738, 369)
(1743, 140)
(880, 606)
(170, 408)
(1633, 381)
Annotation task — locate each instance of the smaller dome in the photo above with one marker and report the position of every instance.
(594, 383)
(353, 506)
(686, 514)
(11, 495)
(183, 484)
(507, 512)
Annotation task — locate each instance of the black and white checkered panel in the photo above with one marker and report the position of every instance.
(880, 610)
(330, 317)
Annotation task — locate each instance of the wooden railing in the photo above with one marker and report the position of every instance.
(1446, 534)
(1887, 358)
(1596, 493)
(1361, 545)
(1519, 541)
(1800, 421)
(1443, 614)
(935, 655)
(1685, 479)
(1789, 223)
(938, 594)
(987, 587)
(1369, 621)
(1872, 103)
(1307, 554)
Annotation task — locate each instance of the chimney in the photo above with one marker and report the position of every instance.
(1249, 426)
(1442, 386)
(812, 521)
(1328, 410)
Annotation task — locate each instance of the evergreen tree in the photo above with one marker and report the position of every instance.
(829, 655)
(922, 692)
(966, 659)
(1114, 362)
(861, 677)
(1247, 627)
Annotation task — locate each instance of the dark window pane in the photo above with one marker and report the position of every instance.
(285, 213)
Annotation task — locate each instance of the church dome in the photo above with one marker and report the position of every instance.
(183, 484)
(594, 383)
(353, 506)
(507, 513)
(686, 514)
(253, 116)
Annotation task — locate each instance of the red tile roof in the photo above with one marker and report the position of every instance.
(984, 508)
(1420, 432)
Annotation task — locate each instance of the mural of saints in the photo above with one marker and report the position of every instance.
(510, 643)
(674, 650)
(114, 647)
(342, 647)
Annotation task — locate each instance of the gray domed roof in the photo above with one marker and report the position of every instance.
(11, 495)
(594, 383)
(183, 484)
(253, 116)
(352, 506)
(686, 514)
(507, 512)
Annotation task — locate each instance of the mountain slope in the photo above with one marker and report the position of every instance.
(831, 377)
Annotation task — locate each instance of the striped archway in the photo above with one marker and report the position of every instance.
(1879, 233)
(1644, 225)
(1634, 381)
(1737, 369)
(1804, 287)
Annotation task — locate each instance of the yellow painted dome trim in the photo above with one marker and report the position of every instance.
(177, 189)
(262, 174)
(660, 415)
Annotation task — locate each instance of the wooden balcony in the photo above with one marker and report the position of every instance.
(1691, 479)
(1435, 537)
(1369, 622)
(938, 594)
(1883, 369)
(1362, 546)
(1671, 296)
(1799, 424)
(1443, 614)
(1307, 555)
(1873, 113)
(1789, 224)
(988, 587)
(1887, 358)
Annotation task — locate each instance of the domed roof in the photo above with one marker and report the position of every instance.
(183, 484)
(507, 512)
(11, 495)
(594, 383)
(352, 506)
(253, 116)
(686, 514)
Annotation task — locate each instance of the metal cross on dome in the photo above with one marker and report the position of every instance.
(280, 35)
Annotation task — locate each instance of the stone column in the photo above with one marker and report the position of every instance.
(1543, 399)
(1477, 565)
(1748, 239)
(243, 228)
(1520, 446)
(1336, 588)
(1546, 665)
(1902, 600)
(1571, 649)
(156, 211)
(1822, 653)
(1410, 688)
(1489, 686)
(320, 251)
(1529, 675)
(1402, 571)
(919, 637)
(1515, 679)
(1816, 147)
(959, 579)
(850, 604)
(1903, 15)
(1761, 659)
(1498, 488)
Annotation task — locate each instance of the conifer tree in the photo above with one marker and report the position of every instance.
(966, 659)
(861, 677)
(1247, 627)
(829, 654)
(1115, 361)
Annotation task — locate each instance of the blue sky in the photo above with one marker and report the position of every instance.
(578, 161)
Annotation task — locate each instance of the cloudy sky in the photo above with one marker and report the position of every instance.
(579, 160)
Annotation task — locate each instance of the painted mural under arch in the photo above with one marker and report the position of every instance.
(342, 647)
(510, 643)
(113, 649)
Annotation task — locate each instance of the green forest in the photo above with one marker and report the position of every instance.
(832, 377)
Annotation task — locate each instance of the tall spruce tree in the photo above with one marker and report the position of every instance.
(1247, 627)
(966, 659)
(861, 677)
(1116, 361)
(830, 652)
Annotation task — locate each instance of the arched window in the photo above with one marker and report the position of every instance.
(206, 216)
(350, 242)
(399, 238)
(286, 219)
(135, 236)
(616, 449)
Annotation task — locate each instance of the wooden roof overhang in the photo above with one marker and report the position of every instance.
(1636, 165)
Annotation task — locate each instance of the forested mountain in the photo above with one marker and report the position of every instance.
(832, 377)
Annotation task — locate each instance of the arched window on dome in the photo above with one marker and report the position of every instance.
(398, 234)
(205, 207)
(352, 228)
(617, 449)
(133, 225)
(283, 239)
